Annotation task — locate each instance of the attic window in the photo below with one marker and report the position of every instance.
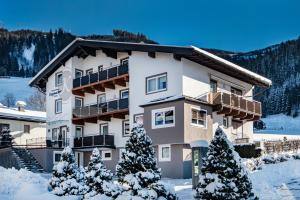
(58, 79)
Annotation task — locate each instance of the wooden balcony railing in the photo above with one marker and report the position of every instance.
(236, 106)
(100, 80)
(102, 111)
(94, 140)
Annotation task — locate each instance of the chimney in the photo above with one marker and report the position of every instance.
(21, 106)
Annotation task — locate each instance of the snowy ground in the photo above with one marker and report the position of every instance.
(281, 124)
(18, 86)
(273, 182)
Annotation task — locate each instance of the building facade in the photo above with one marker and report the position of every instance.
(97, 90)
(27, 127)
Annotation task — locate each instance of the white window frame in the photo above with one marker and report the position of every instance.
(160, 157)
(163, 110)
(227, 122)
(56, 79)
(123, 128)
(156, 77)
(198, 125)
(101, 128)
(123, 91)
(136, 116)
(78, 99)
(81, 127)
(121, 150)
(103, 152)
(56, 152)
(56, 106)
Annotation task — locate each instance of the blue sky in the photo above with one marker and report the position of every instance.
(237, 25)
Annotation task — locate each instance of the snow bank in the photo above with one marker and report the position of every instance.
(24, 185)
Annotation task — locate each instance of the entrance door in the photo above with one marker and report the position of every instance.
(64, 137)
(237, 127)
(79, 158)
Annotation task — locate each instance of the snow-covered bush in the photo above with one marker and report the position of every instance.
(66, 177)
(138, 172)
(296, 156)
(222, 174)
(254, 164)
(98, 179)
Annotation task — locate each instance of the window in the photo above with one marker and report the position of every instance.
(104, 129)
(78, 73)
(156, 83)
(236, 91)
(124, 94)
(56, 156)
(124, 61)
(213, 86)
(225, 122)
(58, 106)
(58, 79)
(199, 117)
(121, 151)
(78, 131)
(101, 98)
(126, 128)
(106, 155)
(78, 102)
(138, 118)
(55, 134)
(164, 152)
(89, 71)
(163, 118)
(26, 128)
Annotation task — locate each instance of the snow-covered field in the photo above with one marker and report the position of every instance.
(273, 182)
(281, 124)
(18, 86)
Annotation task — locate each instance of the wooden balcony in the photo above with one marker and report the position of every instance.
(94, 141)
(235, 106)
(108, 78)
(104, 111)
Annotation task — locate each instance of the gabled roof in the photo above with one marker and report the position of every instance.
(26, 115)
(83, 47)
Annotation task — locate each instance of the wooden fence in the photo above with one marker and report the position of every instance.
(281, 146)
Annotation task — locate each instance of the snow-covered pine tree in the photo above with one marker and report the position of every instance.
(5, 137)
(66, 177)
(138, 170)
(98, 179)
(222, 174)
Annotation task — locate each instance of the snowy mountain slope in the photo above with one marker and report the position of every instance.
(18, 86)
(281, 124)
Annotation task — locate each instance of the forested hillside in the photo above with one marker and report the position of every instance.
(281, 64)
(24, 52)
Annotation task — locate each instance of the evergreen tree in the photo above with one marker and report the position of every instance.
(5, 137)
(98, 179)
(66, 177)
(138, 169)
(222, 175)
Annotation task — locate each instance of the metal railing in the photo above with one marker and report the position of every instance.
(57, 143)
(235, 101)
(101, 75)
(38, 142)
(94, 140)
(101, 108)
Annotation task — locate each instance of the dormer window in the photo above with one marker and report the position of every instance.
(58, 79)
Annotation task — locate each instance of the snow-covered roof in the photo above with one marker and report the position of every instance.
(192, 53)
(26, 115)
(274, 137)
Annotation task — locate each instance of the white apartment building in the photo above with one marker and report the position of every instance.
(96, 90)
